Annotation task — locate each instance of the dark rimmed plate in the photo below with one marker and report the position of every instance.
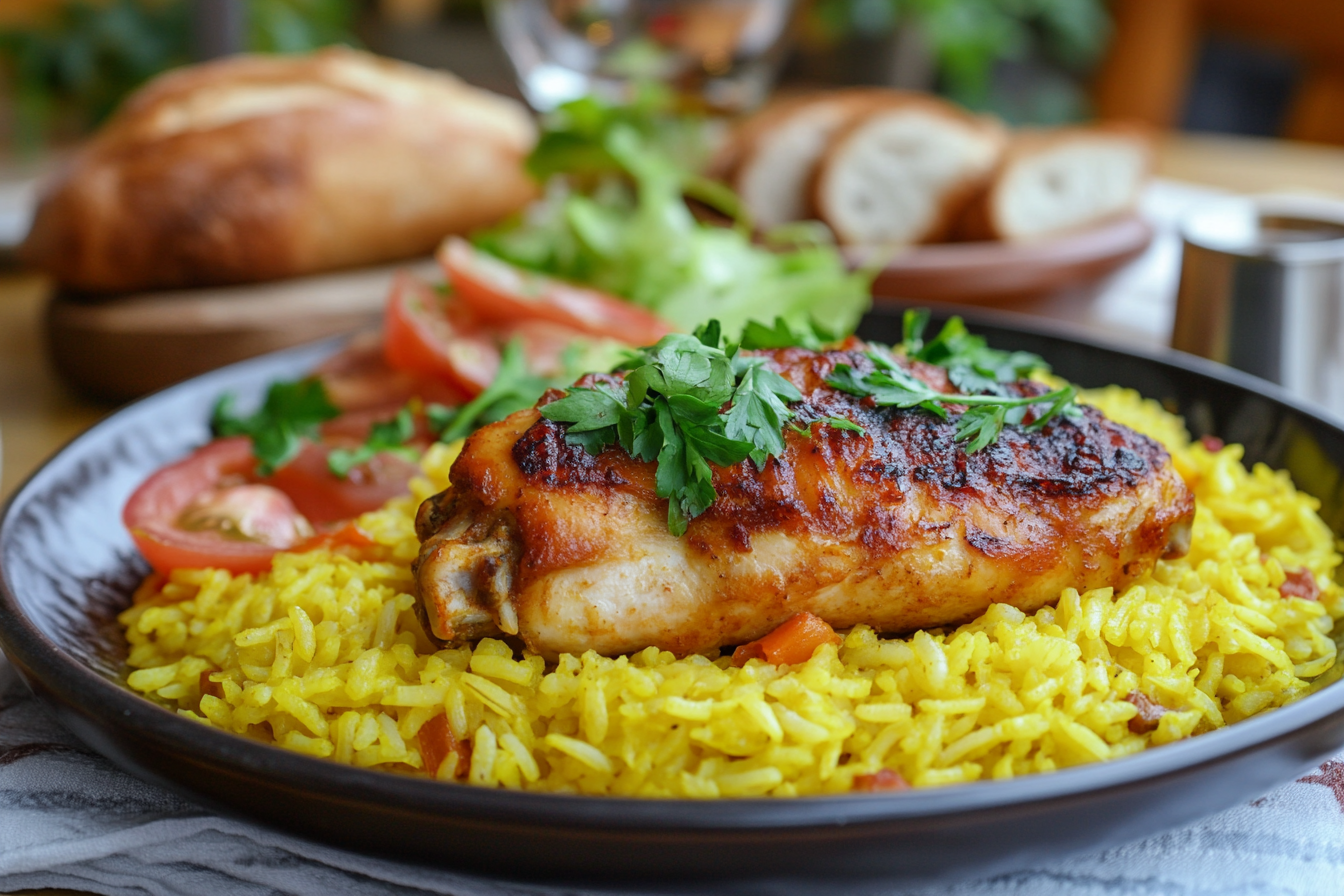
(67, 567)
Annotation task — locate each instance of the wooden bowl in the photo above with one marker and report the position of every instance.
(988, 272)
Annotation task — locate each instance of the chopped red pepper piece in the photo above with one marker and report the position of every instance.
(349, 535)
(885, 781)
(1149, 712)
(1212, 444)
(437, 744)
(1300, 583)
(208, 686)
(794, 641)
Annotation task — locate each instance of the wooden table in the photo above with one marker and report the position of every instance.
(38, 414)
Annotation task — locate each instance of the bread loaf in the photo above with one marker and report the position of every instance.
(261, 167)
(903, 172)
(1051, 182)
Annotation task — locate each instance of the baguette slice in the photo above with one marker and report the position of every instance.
(904, 172)
(776, 152)
(1052, 182)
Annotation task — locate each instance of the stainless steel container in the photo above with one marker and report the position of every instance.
(1262, 289)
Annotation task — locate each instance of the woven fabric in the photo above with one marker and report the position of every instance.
(69, 819)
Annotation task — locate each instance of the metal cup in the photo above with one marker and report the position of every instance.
(1262, 289)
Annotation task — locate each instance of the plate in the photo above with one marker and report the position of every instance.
(990, 272)
(67, 567)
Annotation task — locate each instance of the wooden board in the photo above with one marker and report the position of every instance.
(118, 349)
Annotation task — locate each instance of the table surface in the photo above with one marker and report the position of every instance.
(38, 414)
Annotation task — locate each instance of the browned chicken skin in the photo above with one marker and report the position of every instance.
(897, 527)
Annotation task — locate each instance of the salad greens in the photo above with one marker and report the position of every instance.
(615, 217)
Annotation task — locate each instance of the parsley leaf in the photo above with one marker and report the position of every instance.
(972, 366)
(760, 410)
(389, 435)
(756, 335)
(687, 402)
(291, 412)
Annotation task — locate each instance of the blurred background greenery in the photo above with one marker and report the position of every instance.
(65, 64)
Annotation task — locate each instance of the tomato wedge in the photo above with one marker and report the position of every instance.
(359, 379)
(324, 498)
(506, 294)
(153, 512)
(421, 339)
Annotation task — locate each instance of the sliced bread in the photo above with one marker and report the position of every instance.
(904, 171)
(1052, 182)
(776, 151)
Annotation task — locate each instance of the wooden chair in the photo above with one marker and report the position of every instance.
(1147, 70)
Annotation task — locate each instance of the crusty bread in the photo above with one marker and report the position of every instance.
(260, 167)
(1051, 182)
(904, 171)
(776, 151)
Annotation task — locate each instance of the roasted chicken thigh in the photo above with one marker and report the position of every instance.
(897, 527)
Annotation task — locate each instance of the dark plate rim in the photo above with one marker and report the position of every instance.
(109, 704)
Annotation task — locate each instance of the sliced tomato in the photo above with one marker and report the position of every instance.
(325, 498)
(421, 339)
(211, 510)
(505, 294)
(154, 512)
(359, 379)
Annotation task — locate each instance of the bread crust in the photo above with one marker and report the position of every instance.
(955, 197)
(981, 220)
(258, 168)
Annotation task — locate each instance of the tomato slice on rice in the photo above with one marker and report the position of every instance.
(211, 510)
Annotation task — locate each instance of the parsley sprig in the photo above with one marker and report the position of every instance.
(291, 413)
(687, 402)
(974, 368)
(514, 387)
(388, 436)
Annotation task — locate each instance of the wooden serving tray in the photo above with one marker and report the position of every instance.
(122, 347)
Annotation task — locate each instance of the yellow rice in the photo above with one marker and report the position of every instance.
(323, 655)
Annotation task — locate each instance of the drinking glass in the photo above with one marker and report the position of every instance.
(722, 52)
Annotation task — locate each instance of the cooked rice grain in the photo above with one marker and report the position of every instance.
(323, 655)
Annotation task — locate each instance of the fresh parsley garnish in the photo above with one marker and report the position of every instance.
(972, 366)
(513, 388)
(687, 402)
(888, 385)
(291, 413)
(388, 436)
(756, 335)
